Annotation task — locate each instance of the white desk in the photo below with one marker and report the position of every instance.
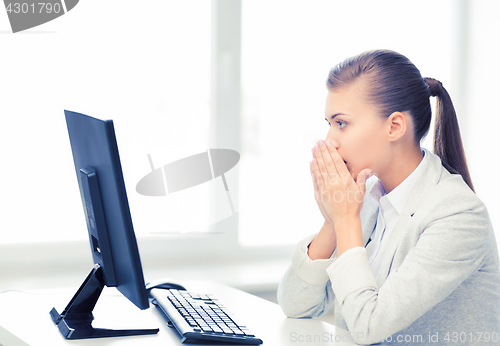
(25, 319)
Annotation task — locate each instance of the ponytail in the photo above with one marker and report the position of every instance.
(447, 140)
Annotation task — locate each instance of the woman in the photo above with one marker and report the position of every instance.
(407, 252)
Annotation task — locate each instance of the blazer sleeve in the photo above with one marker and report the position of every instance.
(305, 289)
(449, 249)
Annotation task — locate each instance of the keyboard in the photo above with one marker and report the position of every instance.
(201, 317)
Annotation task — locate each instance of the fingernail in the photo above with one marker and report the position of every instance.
(328, 144)
(321, 143)
(316, 148)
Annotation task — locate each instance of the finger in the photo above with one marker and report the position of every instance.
(315, 183)
(339, 163)
(313, 176)
(321, 167)
(361, 179)
(317, 194)
(320, 182)
(331, 170)
(314, 169)
(318, 176)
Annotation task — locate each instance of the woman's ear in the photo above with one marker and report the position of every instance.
(398, 124)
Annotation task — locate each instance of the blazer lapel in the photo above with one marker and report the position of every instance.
(368, 213)
(428, 178)
(368, 223)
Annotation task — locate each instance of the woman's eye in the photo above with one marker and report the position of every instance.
(328, 122)
(341, 123)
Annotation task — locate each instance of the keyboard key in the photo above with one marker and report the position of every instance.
(247, 332)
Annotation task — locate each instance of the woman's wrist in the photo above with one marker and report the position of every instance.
(348, 233)
(324, 244)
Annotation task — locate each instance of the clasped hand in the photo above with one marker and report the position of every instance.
(338, 195)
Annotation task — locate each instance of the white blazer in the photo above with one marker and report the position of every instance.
(439, 280)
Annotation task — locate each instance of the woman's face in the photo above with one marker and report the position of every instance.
(356, 130)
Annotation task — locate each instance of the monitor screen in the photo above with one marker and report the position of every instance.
(109, 224)
(112, 239)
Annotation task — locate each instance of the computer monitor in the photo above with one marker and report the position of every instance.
(109, 224)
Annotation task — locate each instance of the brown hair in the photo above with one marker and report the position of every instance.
(394, 84)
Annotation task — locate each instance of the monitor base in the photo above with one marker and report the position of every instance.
(75, 322)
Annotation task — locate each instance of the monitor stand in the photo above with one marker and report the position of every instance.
(75, 322)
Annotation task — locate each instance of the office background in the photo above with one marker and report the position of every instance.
(179, 77)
